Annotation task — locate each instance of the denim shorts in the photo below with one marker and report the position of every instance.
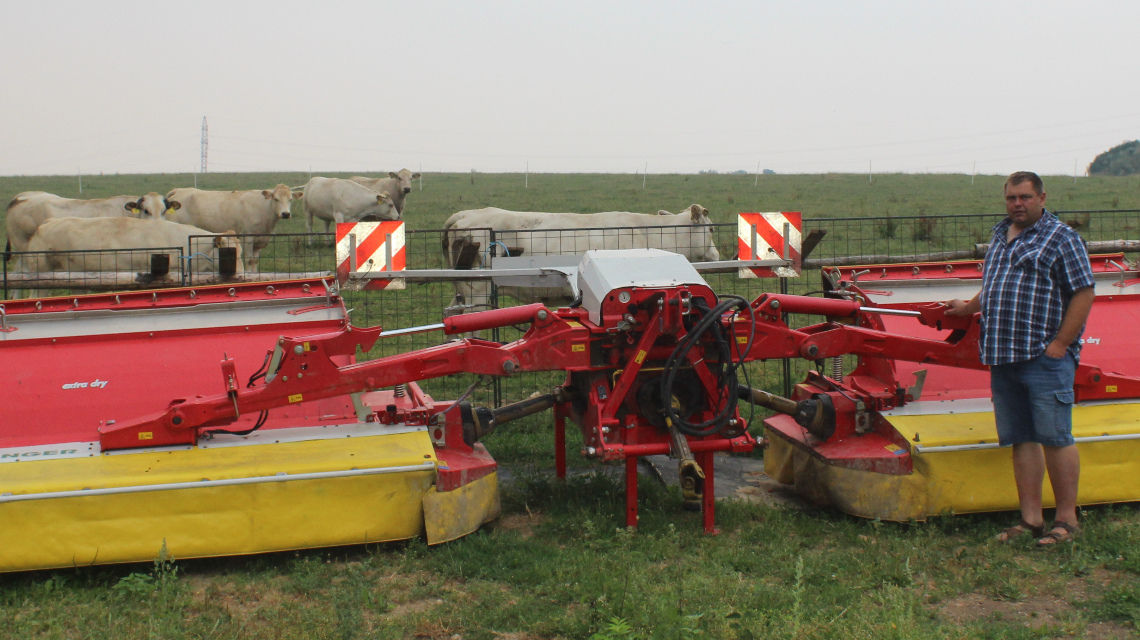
(1033, 400)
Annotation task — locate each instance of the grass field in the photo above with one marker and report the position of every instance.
(816, 196)
(559, 564)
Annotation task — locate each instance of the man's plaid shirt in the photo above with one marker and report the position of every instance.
(1026, 287)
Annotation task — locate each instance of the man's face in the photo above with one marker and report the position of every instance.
(1023, 204)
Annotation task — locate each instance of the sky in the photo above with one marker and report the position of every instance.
(986, 87)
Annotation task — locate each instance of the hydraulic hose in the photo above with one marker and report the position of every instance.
(726, 370)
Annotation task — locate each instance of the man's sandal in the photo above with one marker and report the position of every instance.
(1020, 529)
(1069, 532)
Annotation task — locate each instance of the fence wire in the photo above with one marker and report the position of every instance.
(845, 241)
(50, 273)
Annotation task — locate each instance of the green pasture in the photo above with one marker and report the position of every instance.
(816, 196)
(559, 563)
(913, 213)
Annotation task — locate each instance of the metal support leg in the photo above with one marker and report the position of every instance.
(559, 442)
(631, 492)
(708, 500)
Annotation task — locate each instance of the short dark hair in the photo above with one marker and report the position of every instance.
(1024, 176)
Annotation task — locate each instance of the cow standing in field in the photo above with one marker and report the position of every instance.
(122, 234)
(254, 212)
(466, 241)
(336, 200)
(28, 210)
(398, 185)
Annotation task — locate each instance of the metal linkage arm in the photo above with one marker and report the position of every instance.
(768, 336)
(772, 338)
(1091, 383)
(304, 369)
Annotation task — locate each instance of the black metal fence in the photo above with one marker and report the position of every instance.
(845, 241)
(92, 270)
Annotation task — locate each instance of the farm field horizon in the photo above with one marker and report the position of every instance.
(438, 195)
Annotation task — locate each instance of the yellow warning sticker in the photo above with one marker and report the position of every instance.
(577, 347)
(307, 347)
(146, 435)
(1110, 388)
(640, 357)
(741, 339)
(573, 324)
(296, 397)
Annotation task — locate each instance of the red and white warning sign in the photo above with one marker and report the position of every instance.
(379, 246)
(766, 236)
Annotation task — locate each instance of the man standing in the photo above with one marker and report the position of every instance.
(1037, 290)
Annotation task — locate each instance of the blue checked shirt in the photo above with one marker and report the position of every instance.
(1026, 287)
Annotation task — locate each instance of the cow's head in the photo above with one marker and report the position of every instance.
(403, 180)
(151, 205)
(281, 200)
(704, 236)
(385, 209)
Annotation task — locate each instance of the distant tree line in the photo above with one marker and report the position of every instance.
(1121, 160)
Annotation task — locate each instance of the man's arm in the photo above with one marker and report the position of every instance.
(1075, 317)
(971, 306)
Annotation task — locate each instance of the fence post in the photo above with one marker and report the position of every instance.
(496, 383)
(787, 362)
(351, 252)
(787, 241)
(184, 263)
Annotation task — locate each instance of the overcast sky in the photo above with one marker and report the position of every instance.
(793, 86)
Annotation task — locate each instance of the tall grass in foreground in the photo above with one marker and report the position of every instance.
(560, 565)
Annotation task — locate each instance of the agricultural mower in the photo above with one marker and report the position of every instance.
(236, 419)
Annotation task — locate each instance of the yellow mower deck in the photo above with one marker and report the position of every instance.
(958, 467)
(948, 434)
(315, 474)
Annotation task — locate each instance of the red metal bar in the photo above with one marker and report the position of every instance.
(305, 374)
(707, 460)
(780, 303)
(629, 373)
(559, 442)
(480, 320)
(308, 371)
(181, 297)
(960, 269)
(837, 340)
(740, 444)
(631, 491)
(1093, 384)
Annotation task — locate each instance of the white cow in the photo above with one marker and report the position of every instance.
(466, 242)
(29, 209)
(398, 185)
(254, 212)
(122, 234)
(336, 200)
